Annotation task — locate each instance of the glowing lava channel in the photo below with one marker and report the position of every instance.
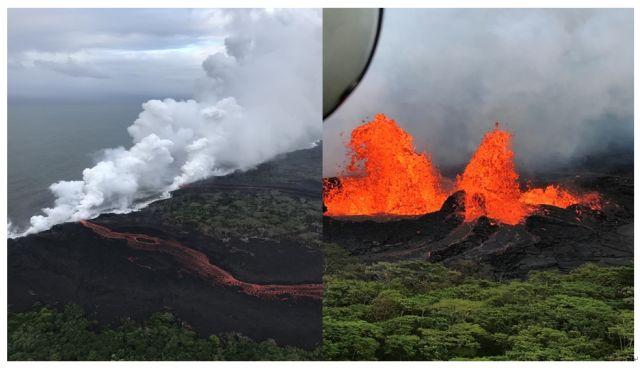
(198, 263)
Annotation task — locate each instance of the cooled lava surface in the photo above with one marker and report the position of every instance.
(206, 254)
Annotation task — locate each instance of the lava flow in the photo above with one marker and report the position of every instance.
(198, 263)
(399, 181)
(556, 196)
(396, 180)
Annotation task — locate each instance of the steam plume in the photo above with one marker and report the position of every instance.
(561, 80)
(261, 97)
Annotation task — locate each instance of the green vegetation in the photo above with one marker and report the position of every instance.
(259, 214)
(414, 310)
(48, 334)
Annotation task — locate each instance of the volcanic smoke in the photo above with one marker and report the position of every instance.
(386, 176)
(237, 120)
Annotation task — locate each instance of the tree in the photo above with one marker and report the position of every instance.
(401, 347)
(461, 340)
(537, 343)
(350, 340)
(387, 304)
(48, 334)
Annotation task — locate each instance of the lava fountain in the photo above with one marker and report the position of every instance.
(386, 176)
(490, 181)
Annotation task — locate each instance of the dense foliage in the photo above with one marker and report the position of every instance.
(48, 334)
(241, 214)
(414, 310)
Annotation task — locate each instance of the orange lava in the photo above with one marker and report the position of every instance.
(393, 178)
(198, 263)
(556, 196)
(550, 195)
(490, 181)
(398, 181)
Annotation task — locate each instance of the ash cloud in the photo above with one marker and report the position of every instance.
(260, 97)
(560, 80)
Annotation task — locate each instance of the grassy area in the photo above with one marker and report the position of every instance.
(48, 334)
(414, 310)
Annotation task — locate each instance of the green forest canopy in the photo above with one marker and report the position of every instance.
(414, 310)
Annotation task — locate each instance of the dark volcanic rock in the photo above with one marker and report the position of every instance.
(384, 235)
(70, 263)
(551, 238)
(112, 280)
(252, 259)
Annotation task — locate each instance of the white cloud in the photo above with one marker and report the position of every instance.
(71, 67)
(54, 53)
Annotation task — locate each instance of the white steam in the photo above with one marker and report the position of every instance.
(561, 80)
(260, 98)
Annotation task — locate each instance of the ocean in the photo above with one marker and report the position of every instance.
(52, 141)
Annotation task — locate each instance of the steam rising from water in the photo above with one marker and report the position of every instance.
(261, 97)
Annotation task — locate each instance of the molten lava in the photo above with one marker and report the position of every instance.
(556, 196)
(398, 181)
(390, 176)
(198, 263)
(551, 195)
(490, 181)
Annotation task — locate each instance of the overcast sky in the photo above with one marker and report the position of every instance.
(98, 53)
(560, 80)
